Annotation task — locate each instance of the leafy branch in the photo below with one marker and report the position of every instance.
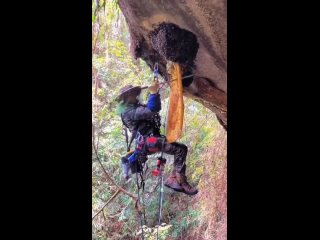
(119, 188)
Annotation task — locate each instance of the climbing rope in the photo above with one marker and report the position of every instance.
(161, 162)
(142, 215)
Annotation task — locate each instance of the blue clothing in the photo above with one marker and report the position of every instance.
(133, 157)
(154, 102)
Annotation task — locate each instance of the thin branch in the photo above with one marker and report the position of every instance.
(96, 85)
(114, 215)
(96, 7)
(120, 188)
(98, 138)
(110, 179)
(105, 224)
(97, 36)
(110, 199)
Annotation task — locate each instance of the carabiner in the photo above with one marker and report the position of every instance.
(155, 72)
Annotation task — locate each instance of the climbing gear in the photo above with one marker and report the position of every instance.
(125, 130)
(159, 172)
(142, 214)
(144, 146)
(160, 161)
(155, 72)
(164, 83)
(175, 112)
(128, 90)
(139, 142)
(139, 156)
(152, 144)
(149, 142)
(146, 127)
(176, 107)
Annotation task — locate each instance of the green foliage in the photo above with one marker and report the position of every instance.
(185, 220)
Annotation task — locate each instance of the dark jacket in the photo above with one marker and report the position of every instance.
(144, 119)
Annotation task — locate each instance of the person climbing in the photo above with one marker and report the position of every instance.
(144, 120)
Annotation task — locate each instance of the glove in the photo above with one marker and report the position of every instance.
(154, 88)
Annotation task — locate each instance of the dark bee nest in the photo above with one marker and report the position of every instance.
(175, 44)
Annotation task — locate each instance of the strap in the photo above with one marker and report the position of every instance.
(131, 140)
(125, 128)
(142, 184)
(142, 219)
(123, 121)
(126, 134)
(127, 138)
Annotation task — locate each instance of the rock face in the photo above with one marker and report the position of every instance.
(190, 32)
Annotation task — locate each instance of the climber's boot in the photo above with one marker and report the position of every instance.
(173, 183)
(187, 189)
